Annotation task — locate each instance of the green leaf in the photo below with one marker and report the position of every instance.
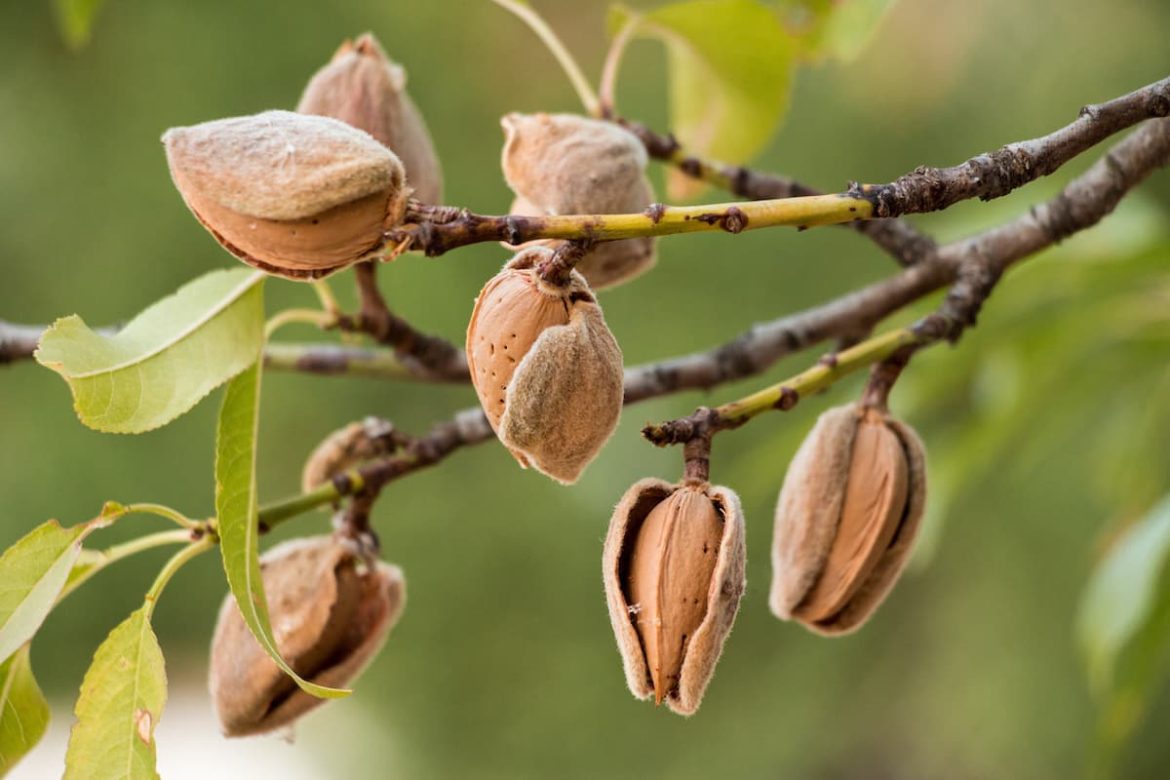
(236, 515)
(1123, 593)
(75, 18)
(121, 702)
(32, 574)
(840, 29)
(24, 713)
(730, 65)
(167, 359)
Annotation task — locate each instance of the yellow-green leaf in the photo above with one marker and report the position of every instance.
(32, 573)
(75, 18)
(236, 515)
(730, 65)
(121, 702)
(166, 359)
(840, 29)
(24, 713)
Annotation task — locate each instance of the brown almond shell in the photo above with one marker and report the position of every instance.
(329, 618)
(723, 595)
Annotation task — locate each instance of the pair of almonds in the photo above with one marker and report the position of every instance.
(300, 195)
(331, 610)
(846, 519)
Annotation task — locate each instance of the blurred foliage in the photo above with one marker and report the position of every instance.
(503, 665)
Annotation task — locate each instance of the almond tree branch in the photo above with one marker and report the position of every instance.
(986, 176)
(426, 356)
(972, 265)
(901, 240)
(976, 265)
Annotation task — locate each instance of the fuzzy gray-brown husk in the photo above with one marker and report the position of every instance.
(809, 508)
(569, 164)
(723, 595)
(280, 165)
(330, 614)
(363, 87)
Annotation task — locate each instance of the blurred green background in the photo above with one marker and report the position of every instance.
(1047, 427)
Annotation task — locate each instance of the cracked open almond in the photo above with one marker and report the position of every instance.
(547, 370)
(846, 519)
(673, 568)
(364, 88)
(295, 195)
(568, 164)
(330, 611)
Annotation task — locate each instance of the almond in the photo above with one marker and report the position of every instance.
(547, 370)
(673, 568)
(294, 195)
(846, 519)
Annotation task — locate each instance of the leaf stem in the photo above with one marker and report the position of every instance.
(321, 319)
(176, 562)
(102, 558)
(613, 61)
(161, 511)
(554, 44)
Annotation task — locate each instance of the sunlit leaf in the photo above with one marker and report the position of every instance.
(730, 65)
(32, 574)
(75, 18)
(121, 702)
(24, 713)
(839, 29)
(166, 359)
(236, 514)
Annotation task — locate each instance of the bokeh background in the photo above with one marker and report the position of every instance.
(1047, 428)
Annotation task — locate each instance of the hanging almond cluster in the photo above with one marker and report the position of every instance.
(294, 195)
(364, 88)
(673, 568)
(331, 610)
(547, 370)
(846, 519)
(567, 164)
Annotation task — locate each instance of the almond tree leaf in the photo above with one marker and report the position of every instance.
(75, 19)
(1124, 626)
(24, 713)
(32, 574)
(730, 65)
(121, 702)
(166, 359)
(236, 515)
(838, 29)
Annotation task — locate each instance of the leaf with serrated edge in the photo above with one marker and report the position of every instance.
(121, 702)
(32, 573)
(24, 713)
(236, 515)
(730, 64)
(166, 359)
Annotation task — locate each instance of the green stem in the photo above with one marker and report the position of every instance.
(613, 61)
(557, 47)
(161, 511)
(272, 515)
(321, 319)
(100, 559)
(177, 561)
(820, 376)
